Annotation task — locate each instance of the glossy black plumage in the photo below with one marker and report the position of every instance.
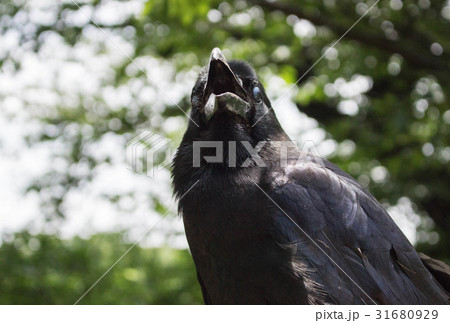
(298, 231)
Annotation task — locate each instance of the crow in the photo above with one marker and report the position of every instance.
(268, 223)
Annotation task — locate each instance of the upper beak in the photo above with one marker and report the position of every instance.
(223, 89)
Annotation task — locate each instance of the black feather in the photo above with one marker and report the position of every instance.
(304, 232)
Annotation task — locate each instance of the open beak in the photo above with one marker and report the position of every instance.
(223, 89)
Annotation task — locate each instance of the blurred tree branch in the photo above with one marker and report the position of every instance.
(412, 45)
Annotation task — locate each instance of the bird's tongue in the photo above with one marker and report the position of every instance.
(221, 78)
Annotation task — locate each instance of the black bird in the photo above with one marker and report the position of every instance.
(269, 224)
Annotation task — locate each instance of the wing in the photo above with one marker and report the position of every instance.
(344, 244)
(439, 269)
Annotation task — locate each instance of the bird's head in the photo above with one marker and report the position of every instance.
(229, 103)
(231, 115)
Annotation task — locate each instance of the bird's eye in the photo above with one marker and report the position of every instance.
(257, 93)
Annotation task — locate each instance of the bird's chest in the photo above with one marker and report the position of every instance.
(225, 216)
(231, 240)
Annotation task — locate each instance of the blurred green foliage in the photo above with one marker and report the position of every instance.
(43, 269)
